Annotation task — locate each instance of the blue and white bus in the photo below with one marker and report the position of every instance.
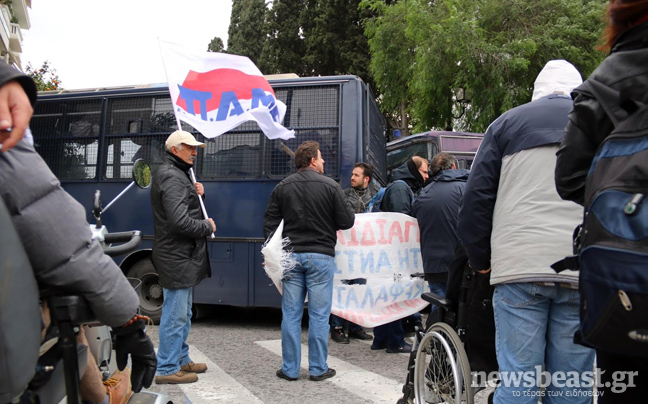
(90, 139)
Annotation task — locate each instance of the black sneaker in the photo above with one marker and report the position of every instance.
(360, 334)
(337, 335)
(407, 348)
(282, 375)
(326, 375)
(378, 346)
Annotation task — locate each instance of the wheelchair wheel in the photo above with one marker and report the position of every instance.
(442, 372)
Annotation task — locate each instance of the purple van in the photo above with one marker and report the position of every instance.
(463, 145)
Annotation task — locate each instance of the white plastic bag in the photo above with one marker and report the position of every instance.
(278, 261)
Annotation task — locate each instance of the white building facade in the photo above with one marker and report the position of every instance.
(14, 18)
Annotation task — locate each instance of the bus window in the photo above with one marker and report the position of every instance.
(69, 138)
(137, 115)
(233, 155)
(314, 115)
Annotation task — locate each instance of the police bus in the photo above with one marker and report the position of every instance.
(91, 138)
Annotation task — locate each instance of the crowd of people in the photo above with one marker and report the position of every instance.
(514, 215)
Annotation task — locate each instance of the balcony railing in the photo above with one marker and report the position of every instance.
(15, 38)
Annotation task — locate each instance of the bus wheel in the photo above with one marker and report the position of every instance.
(148, 289)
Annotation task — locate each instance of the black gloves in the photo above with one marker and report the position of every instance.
(132, 339)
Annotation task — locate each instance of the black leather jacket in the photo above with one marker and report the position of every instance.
(626, 70)
(180, 248)
(313, 208)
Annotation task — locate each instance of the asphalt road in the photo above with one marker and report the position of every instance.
(242, 348)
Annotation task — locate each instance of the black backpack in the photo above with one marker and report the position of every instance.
(613, 245)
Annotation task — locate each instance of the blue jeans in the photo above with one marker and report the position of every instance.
(175, 323)
(338, 322)
(440, 289)
(390, 335)
(313, 274)
(535, 327)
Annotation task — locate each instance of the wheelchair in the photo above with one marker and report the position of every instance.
(459, 339)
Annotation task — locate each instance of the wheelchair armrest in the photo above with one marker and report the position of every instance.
(437, 300)
(71, 308)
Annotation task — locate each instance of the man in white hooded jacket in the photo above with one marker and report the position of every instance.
(513, 222)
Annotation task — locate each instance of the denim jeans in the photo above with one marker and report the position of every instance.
(438, 288)
(339, 322)
(535, 327)
(313, 274)
(390, 335)
(173, 351)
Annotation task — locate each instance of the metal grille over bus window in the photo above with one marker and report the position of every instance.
(123, 151)
(313, 112)
(66, 135)
(137, 128)
(235, 154)
(377, 152)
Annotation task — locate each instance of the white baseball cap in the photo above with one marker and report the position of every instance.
(181, 137)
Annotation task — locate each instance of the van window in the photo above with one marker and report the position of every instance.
(396, 158)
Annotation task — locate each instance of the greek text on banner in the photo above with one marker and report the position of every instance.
(376, 259)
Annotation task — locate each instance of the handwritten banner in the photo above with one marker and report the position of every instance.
(375, 259)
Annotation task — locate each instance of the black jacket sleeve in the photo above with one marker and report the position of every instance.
(587, 127)
(273, 214)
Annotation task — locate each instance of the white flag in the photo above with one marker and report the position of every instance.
(216, 92)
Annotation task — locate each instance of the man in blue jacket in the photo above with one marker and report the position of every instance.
(437, 212)
(514, 224)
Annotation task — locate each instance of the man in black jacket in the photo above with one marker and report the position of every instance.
(313, 208)
(179, 254)
(437, 211)
(408, 179)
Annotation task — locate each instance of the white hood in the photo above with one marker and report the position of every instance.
(557, 77)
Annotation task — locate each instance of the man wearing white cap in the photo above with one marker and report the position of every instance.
(513, 224)
(179, 254)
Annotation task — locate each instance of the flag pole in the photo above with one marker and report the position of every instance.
(193, 180)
